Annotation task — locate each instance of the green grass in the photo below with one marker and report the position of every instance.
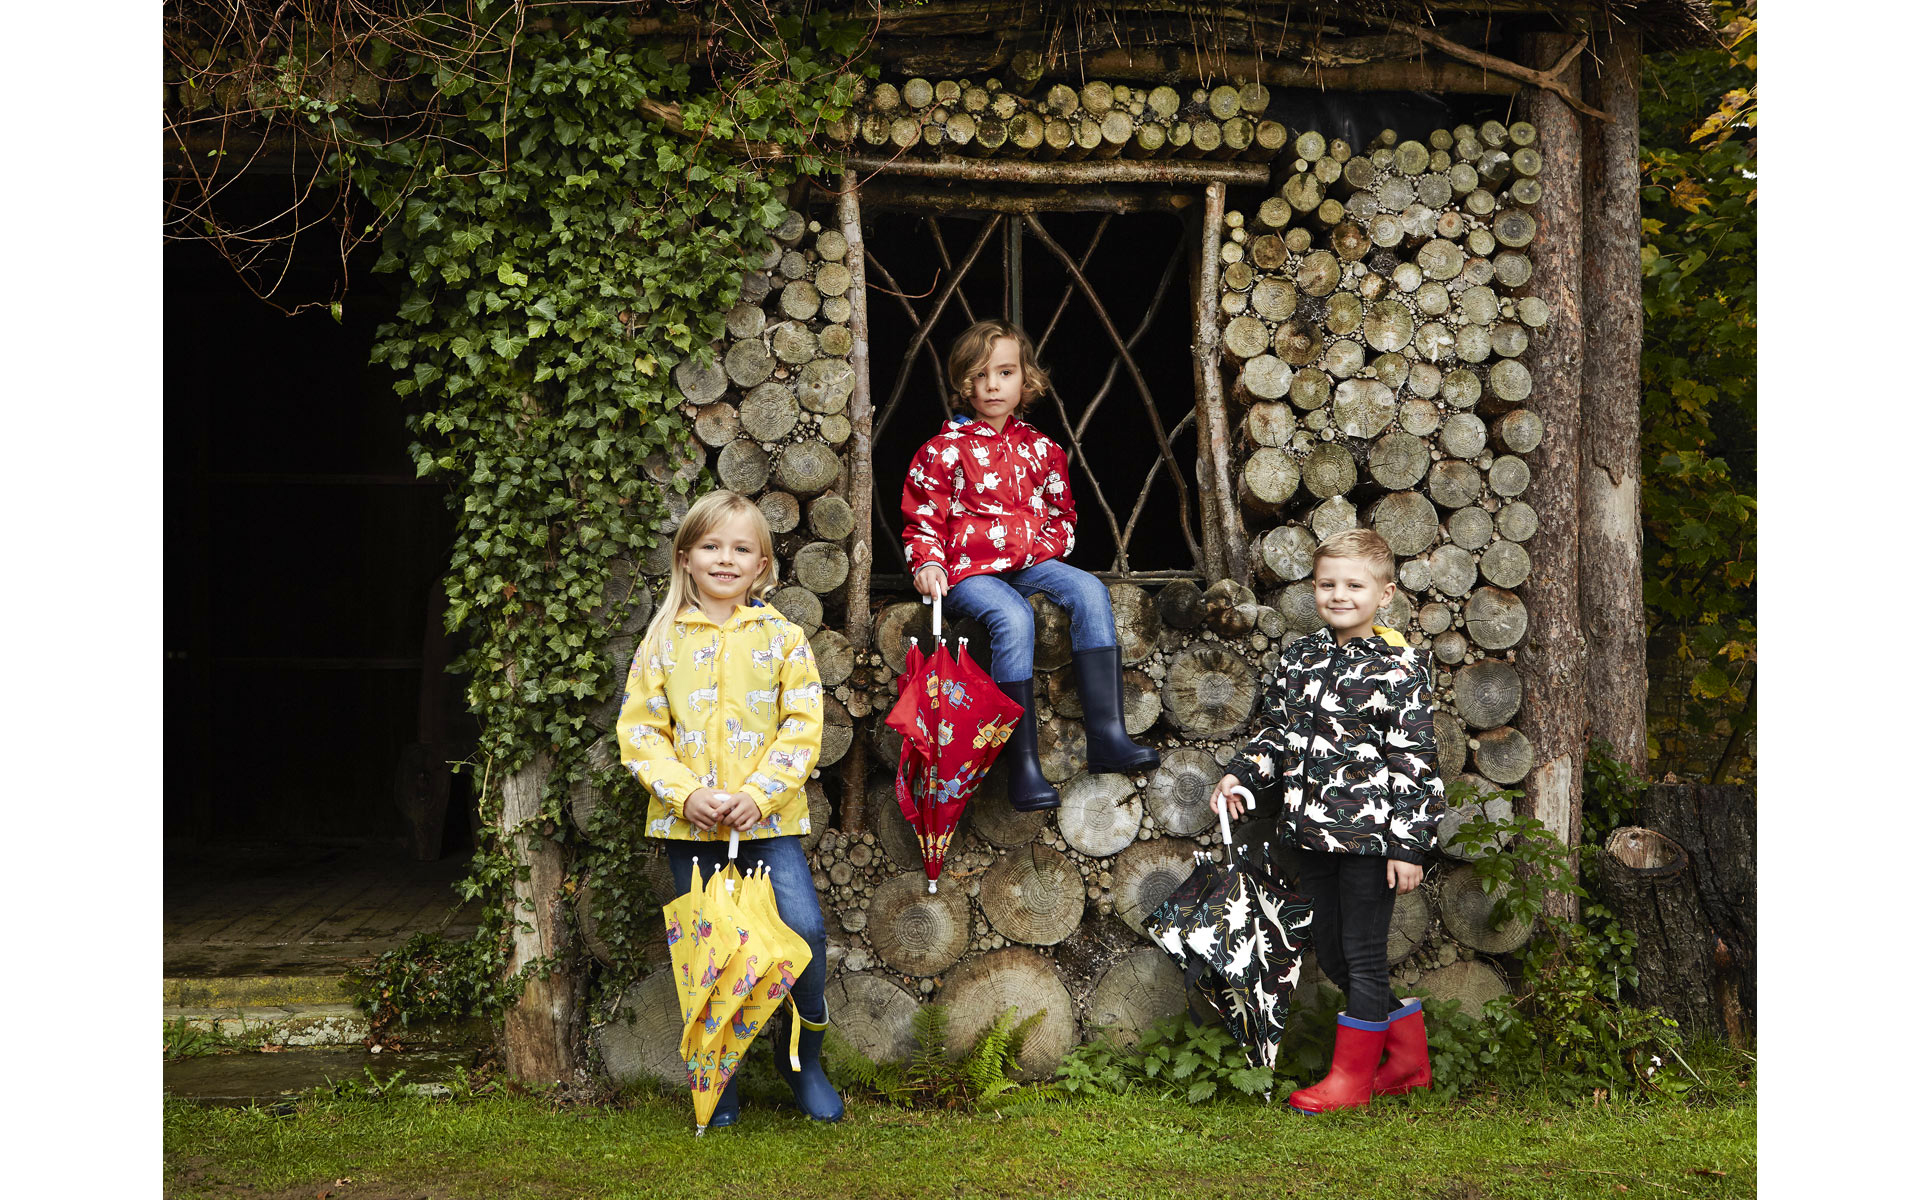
(506, 1146)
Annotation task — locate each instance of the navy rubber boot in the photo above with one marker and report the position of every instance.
(1109, 749)
(727, 1112)
(1027, 789)
(811, 1090)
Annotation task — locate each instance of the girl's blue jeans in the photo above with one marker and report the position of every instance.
(1000, 603)
(793, 894)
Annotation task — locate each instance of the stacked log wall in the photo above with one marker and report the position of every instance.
(1375, 327)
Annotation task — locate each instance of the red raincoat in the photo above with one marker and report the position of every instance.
(979, 502)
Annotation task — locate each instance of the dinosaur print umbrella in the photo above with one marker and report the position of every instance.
(1240, 936)
(953, 721)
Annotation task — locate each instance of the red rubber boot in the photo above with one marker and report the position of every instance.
(1406, 1067)
(1349, 1082)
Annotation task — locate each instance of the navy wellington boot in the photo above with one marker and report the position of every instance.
(811, 1090)
(1109, 749)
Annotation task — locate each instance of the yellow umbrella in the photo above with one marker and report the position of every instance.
(757, 980)
(702, 937)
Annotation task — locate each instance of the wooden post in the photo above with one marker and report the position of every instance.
(1222, 539)
(540, 1034)
(860, 491)
(1612, 610)
(1552, 657)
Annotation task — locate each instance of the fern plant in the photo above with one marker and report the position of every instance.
(931, 1077)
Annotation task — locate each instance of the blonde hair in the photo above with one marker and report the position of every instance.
(970, 354)
(1363, 544)
(707, 514)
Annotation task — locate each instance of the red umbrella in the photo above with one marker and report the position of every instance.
(953, 720)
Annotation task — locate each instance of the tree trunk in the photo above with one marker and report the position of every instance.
(1552, 659)
(541, 1029)
(1222, 535)
(1697, 959)
(1612, 609)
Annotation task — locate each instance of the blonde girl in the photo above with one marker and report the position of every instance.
(721, 724)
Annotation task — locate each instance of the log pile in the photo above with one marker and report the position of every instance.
(1373, 334)
(990, 118)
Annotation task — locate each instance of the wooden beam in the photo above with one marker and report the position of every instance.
(942, 199)
(1612, 603)
(1552, 658)
(1105, 171)
(853, 789)
(1222, 539)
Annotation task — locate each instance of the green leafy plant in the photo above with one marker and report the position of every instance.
(429, 978)
(1175, 1057)
(182, 1040)
(933, 1077)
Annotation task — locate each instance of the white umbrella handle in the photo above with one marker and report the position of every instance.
(1226, 829)
(733, 852)
(935, 601)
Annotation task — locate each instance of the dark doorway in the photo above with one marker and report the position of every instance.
(303, 561)
(1018, 266)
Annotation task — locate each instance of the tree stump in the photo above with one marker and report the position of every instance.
(1472, 983)
(1467, 912)
(979, 990)
(914, 931)
(830, 518)
(702, 385)
(1268, 479)
(1033, 895)
(1144, 874)
(1099, 814)
(648, 1048)
(717, 424)
(1178, 791)
(743, 466)
(1397, 461)
(874, 1014)
(769, 412)
(1141, 988)
(1407, 931)
(1697, 948)
(1285, 554)
(989, 815)
(1487, 693)
(1210, 691)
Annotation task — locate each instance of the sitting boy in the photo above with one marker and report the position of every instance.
(1345, 737)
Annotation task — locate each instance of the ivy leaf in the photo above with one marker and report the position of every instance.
(511, 277)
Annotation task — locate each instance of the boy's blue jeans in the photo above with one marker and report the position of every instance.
(1000, 603)
(793, 894)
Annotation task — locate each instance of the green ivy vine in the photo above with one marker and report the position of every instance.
(572, 224)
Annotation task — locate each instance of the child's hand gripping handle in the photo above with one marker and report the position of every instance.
(935, 601)
(1226, 829)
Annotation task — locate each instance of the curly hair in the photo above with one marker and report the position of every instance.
(970, 354)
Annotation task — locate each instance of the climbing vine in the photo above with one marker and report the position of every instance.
(569, 209)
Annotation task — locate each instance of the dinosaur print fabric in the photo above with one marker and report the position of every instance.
(736, 707)
(979, 502)
(1344, 739)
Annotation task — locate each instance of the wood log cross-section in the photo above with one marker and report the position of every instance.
(1099, 814)
(874, 1014)
(1034, 895)
(1210, 690)
(914, 931)
(1141, 988)
(980, 989)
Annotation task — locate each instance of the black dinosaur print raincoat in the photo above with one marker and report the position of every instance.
(1344, 738)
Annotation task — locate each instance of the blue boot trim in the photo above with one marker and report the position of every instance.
(1408, 1007)
(1357, 1023)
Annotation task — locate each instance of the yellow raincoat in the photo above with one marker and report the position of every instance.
(735, 707)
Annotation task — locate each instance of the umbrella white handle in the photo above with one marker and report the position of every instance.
(1226, 829)
(733, 852)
